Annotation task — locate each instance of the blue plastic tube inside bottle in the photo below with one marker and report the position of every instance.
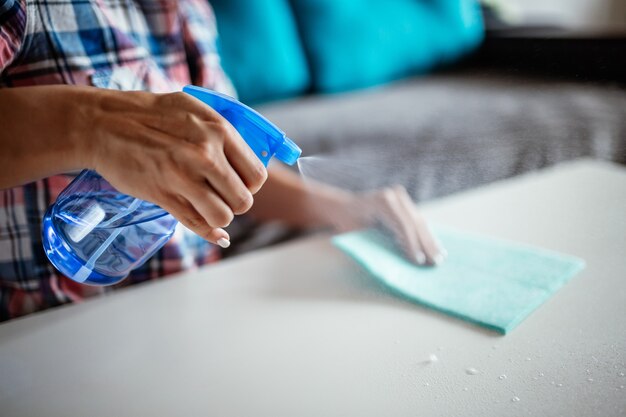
(96, 235)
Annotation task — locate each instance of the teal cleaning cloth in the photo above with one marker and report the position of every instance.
(490, 282)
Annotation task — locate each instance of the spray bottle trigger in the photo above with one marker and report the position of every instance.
(263, 137)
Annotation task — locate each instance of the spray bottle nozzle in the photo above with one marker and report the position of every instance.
(288, 152)
(265, 139)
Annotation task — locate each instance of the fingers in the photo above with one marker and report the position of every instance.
(204, 152)
(399, 220)
(181, 154)
(223, 180)
(432, 252)
(249, 167)
(200, 123)
(214, 211)
(399, 214)
(220, 237)
(203, 210)
(203, 178)
(238, 154)
(185, 213)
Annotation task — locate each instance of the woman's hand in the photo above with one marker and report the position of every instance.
(394, 210)
(177, 152)
(169, 149)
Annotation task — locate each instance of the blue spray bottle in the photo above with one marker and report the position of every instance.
(96, 235)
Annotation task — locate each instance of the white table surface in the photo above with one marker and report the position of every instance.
(298, 330)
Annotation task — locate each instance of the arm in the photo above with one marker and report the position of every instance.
(286, 197)
(38, 138)
(169, 149)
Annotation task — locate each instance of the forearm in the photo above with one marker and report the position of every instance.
(286, 197)
(40, 134)
(309, 204)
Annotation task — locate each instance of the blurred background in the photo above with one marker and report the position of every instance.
(440, 96)
(573, 14)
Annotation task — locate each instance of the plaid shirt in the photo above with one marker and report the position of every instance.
(154, 45)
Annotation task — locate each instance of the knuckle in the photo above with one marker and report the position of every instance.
(223, 218)
(205, 232)
(259, 176)
(169, 99)
(224, 130)
(211, 163)
(192, 221)
(179, 97)
(219, 128)
(243, 203)
(192, 121)
(195, 223)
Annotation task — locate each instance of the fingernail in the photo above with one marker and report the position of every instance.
(420, 258)
(438, 259)
(223, 242)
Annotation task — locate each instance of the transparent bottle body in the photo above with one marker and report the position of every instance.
(96, 235)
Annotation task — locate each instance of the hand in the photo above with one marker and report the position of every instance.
(287, 198)
(169, 149)
(395, 211)
(174, 151)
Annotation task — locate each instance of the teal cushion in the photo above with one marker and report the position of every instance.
(260, 49)
(359, 43)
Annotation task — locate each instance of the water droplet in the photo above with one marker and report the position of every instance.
(427, 384)
(397, 342)
(588, 371)
(621, 374)
(621, 387)
(501, 377)
(471, 371)
(528, 359)
(559, 385)
(540, 373)
(552, 382)
(432, 358)
(465, 389)
(590, 379)
(515, 399)
(535, 378)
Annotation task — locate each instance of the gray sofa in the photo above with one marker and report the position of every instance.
(445, 133)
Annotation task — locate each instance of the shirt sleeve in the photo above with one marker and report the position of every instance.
(12, 30)
(200, 35)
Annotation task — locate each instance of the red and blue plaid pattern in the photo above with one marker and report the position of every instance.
(152, 45)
